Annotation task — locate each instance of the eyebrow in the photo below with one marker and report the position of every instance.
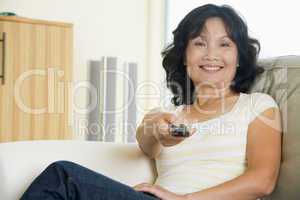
(222, 37)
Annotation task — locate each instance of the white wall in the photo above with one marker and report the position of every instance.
(274, 23)
(118, 28)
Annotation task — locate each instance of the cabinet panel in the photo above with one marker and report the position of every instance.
(34, 99)
(8, 118)
(39, 81)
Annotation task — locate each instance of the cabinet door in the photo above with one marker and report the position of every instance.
(33, 97)
(59, 63)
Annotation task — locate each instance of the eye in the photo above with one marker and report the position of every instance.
(225, 44)
(202, 44)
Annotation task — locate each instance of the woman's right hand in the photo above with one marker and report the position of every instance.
(159, 123)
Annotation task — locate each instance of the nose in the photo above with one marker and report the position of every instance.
(211, 54)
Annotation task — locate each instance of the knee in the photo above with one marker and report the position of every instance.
(62, 164)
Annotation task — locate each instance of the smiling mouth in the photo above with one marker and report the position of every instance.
(211, 68)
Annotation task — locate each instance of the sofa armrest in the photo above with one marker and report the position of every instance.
(21, 162)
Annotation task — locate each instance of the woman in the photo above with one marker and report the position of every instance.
(233, 151)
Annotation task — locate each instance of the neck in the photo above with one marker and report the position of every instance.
(212, 95)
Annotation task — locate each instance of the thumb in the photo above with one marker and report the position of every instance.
(169, 117)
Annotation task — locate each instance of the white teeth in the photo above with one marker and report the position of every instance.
(211, 68)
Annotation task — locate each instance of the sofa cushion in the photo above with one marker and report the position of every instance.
(281, 80)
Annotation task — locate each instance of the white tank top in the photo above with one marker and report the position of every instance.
(214, 154)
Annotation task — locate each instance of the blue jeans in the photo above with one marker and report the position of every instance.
(64, 180)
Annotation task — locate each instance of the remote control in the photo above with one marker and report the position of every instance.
(179, 131)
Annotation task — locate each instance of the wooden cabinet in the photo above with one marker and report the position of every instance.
(35, 79)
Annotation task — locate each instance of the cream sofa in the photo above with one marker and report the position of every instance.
(20, 162)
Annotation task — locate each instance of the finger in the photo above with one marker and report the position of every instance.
(144, 188)
(150, 189)
(137, 186)
(174, 138)
(163, 127)
(160, 192)
(193, 130)
(141, 185)
(169, 117)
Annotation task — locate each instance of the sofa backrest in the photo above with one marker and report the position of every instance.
(281, 80)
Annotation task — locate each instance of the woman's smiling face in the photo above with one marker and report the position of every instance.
(211, 58)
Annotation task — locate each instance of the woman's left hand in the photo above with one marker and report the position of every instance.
(158, 191)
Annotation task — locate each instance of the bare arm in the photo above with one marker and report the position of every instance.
(263, 155)
(147, 135)
(153, 133)
(146, 139)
